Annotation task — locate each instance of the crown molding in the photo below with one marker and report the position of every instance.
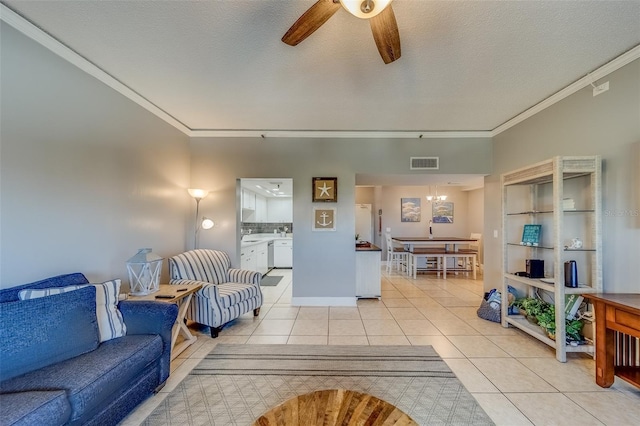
(611, 66)
(337, 134)
(32, 31)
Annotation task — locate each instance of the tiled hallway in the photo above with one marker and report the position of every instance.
(515, 378)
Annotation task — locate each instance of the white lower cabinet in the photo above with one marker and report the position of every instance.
(262, 259)
(368, 273)
(249, 258)
(283, 253)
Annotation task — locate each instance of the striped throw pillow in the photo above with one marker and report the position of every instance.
(110, 322)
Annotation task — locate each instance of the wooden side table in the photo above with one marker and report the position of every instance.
(617, 327)
(180, 295)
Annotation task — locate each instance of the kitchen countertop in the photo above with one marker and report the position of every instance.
(372, 247)
(255, 239)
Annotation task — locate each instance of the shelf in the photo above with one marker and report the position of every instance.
(544, 189)
(521, 323)
(535, 282)
(533, 247)
(530, 212)
(550, 211)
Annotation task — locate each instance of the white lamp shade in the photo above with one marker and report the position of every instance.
(198, 194)
(144, 272)
(207, 223)
(354, 7)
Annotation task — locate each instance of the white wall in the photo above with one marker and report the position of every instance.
(475, 216)
(324, 262)
(87, 176)
(608, 125)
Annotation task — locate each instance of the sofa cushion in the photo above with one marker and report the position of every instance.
(35, 333)
(35, 408)
(91, 379)
(110, 322)
(11, 294)
(234, 293)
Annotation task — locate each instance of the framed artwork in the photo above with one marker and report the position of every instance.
(324, 219)
(410, 209)
(325, 189)
(442, 212)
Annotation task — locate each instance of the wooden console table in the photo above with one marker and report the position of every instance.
(617, 330)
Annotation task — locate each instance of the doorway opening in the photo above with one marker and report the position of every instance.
(266, 224)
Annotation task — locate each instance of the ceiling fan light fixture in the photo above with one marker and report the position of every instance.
(364, 9)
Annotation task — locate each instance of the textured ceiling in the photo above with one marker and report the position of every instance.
(465, 65)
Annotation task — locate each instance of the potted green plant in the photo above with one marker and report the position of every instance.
(547, 320)
(532, 307)
(573, 329)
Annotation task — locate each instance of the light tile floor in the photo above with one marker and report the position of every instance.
(515, 378)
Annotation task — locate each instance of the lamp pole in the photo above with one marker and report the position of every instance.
(198, 195)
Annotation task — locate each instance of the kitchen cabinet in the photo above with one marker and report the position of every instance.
(248, 200)
(368, 272)
(562, 198)
(249, 258)
(261, 209)
(280, 210)
(283, 253)
(262, 260)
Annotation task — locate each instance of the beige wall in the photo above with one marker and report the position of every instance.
(608, 125)
(87, 176)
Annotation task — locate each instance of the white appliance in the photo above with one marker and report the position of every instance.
(283, 253)
(364, 222)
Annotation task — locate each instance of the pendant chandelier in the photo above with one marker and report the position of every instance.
(437, 197)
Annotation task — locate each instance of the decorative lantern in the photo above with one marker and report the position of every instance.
(144, 272)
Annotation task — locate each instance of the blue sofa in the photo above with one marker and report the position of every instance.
(55, 371)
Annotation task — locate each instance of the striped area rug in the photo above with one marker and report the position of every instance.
(235, 384)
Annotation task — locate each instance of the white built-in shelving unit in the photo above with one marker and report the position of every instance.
(534, 195)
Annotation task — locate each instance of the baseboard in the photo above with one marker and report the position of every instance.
(323, 301)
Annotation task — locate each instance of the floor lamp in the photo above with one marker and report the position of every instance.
(198, 195)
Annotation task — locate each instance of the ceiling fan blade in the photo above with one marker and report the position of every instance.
(385, 33)
(310, 21)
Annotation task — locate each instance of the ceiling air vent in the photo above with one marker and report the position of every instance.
(425, 163)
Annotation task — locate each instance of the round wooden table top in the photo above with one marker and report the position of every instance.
(334, 407)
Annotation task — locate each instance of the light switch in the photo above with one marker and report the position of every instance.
(495, 233)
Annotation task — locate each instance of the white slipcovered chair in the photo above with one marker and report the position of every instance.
(226, 293)
(397, 256)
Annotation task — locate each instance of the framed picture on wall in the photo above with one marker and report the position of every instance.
(410, 209)
(442, 212)
(324, 219)
(325, 189)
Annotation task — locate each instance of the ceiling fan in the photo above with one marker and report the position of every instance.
(378, 12)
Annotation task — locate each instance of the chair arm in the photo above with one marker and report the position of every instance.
(208, 290)
(150, 317)
(244, 276)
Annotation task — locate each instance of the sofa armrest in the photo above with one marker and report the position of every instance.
(244, 276)
(149, 317)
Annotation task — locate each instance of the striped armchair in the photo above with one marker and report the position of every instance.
(226, 293)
